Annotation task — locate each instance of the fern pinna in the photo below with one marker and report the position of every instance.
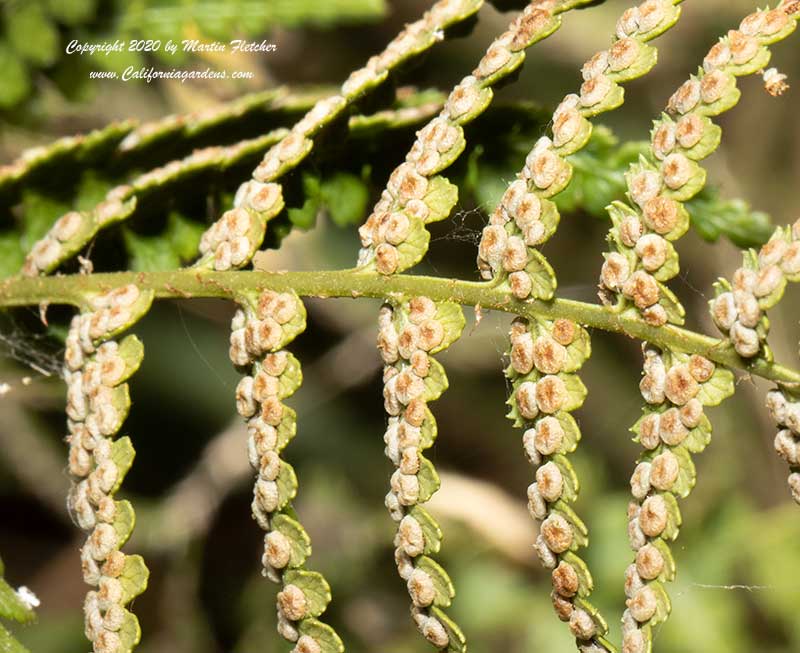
(548, 342)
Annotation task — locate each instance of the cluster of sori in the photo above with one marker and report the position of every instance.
(233, 239)
(525, 217)
(96, 368)
(676, 388)
(658, 184)
(226, 240)
(394, 237)
(261, 329)
(262, 196)
(544, 358)
(739, 307)
(410, 333)
(784, 406)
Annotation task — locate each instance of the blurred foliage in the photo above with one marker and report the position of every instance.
(738, 562)
(35, 33)
(14, 608)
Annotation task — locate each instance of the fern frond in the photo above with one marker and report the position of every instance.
(262, 197)
(410, 333)
(739, 308)
(96, 367)
(394, 237)
(677, 387)
(526, 216)
(262, 327)
(633, 277)
(545, 356)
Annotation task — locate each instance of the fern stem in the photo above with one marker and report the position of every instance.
(183, 284)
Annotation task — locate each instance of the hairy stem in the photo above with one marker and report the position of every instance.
(178, 284)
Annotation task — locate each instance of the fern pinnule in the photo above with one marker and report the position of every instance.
(410, 333)
(676, 387)
(415, 194)
(526, 216)
(96, 368)
(261, 328)
(643, 231)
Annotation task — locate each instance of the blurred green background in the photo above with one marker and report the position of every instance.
(738, 554)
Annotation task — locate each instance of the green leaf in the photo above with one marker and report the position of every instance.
(577, 142)
(645, 61)
(8, 644)
(413, 249)
(718, 388)
(130, 633)
(593, 612)
(440, 199)
(298, 538)
(613, 99)
(131, 350)
(428, 431)
(578, 351)
(571, 484)
(576, 391)
(287, 484)
(441, 581)
(291, 378)
(572, 434)
(728, 100)
(430, 529)
(674, 519)
(12, 255)
(39, 213)
(29, 31)
(345, 196)
(687, 476)
(436, 381)
(668, 574)
(585, 580)
(457, 643)
(695, 184)
(674, 309)
(314, 587)
(671, 265)
(758, 62)
(580, 534)
(483, 100)
(323, 634)
(542, 275)
(149, 253)
(71, 12)
(514, 62)
(124, 521)
(428, 479)
(699, 437)
(663, 604)
(451, 317)
(122, 453)
(305, 216)
(12, 606)
(133, 578)
(712, 135)
(287, 429)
